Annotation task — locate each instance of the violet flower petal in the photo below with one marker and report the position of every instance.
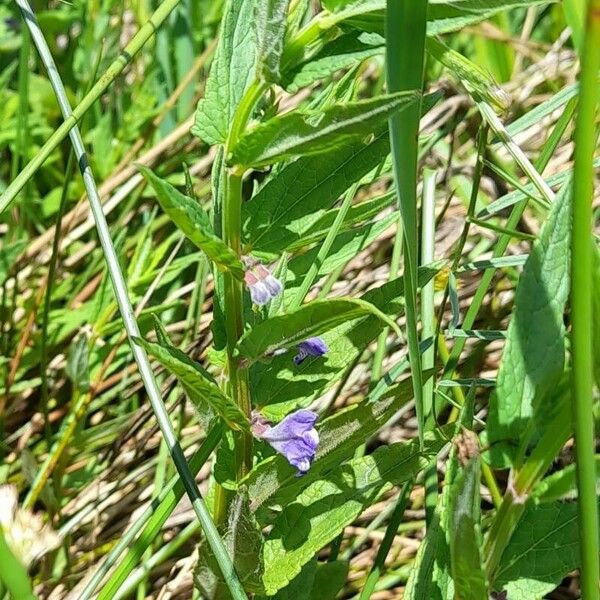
(295, 438)
(259, 293)
(314, 346)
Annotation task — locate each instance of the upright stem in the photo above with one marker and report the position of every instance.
(233, 298)
(581, 305)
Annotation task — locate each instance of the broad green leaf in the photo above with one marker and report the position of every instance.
(533, 356)
(299, 588)
(303, 133)
(541, 552)
(442, 16)
(194, 223)
(232, 71)
(326, 506)
(316, 580)
(465, 534)
(313, 319)
(293, 200)
(339, 437)
(270, 19)
(279, 386)
(343, 52)
(330, 579)
(196, 382)
(473, 77)
(244, 541)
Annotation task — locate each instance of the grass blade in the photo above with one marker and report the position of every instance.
(581, 305)
(405, 35)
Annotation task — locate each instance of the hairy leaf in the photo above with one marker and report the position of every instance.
(322, 510)
(197, 382)
(303, 133)
(345, 51)
(541, 552)
(233, 70)
(297, 196)
(283, 331)
(533, 357)
(243, 540)
(194, 223)
(270, 20)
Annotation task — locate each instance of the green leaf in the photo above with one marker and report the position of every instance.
(345, 51)
(244, 542)
(270, 19)
(533, 357)
(330, 579)
(313, 319)
(197, 383)
(294, 199)
(474, 78)
(194, 223)
(13, 575)
(232, 71)
(78, 368)
(279, 386)
(465, 534)
(541, 552)
(442, 16)
(326, 506)
(275, 480)
(561, 485)
(304, 133)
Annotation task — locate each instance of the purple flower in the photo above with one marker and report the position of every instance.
(295, 437)
(262, 286)
(314, 346)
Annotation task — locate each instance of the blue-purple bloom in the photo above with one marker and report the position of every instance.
(314, 346)
(263, 286)
(295, 437)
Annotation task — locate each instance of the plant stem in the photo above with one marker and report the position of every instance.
(116, 68)
(233, 300)
(127, 314)
(405, 55)
(581, 305)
